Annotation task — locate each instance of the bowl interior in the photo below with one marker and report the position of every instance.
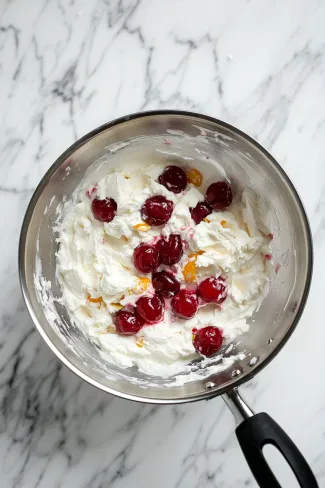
(213, 147)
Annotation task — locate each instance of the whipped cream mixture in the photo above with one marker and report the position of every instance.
(97, 275)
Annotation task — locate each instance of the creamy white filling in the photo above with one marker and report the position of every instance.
(95, 260)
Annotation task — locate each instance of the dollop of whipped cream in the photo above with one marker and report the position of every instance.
(97, 276)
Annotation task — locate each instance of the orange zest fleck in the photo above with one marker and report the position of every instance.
(143, 227)
(125, 239)
(207, 220)
(126, 177)
(196, 254)
(142, 284)
(189, 272)
(223, 223)
(195, 177)
(139, 342)
(118, 306)
(94, 300)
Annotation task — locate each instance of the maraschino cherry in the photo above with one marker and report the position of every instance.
(157, 210)
(174, 179)
(104, 210)
(165, 283)
(207, 341)
(200, 211)
(146, 258)
(185, 304)
(127, 323)
(213, 290)
(151, 309)
(170, 249)
(219, 195)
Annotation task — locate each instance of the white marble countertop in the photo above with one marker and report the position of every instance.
(67, 66)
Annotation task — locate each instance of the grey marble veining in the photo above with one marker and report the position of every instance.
(66, 66)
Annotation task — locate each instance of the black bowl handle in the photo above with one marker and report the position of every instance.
(256, 431)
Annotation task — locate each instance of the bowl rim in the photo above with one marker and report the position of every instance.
(209, 393)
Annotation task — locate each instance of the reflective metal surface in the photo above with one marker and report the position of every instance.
(247, 164)
(236, 403)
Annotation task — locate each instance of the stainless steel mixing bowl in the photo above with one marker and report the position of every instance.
(198, 138)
